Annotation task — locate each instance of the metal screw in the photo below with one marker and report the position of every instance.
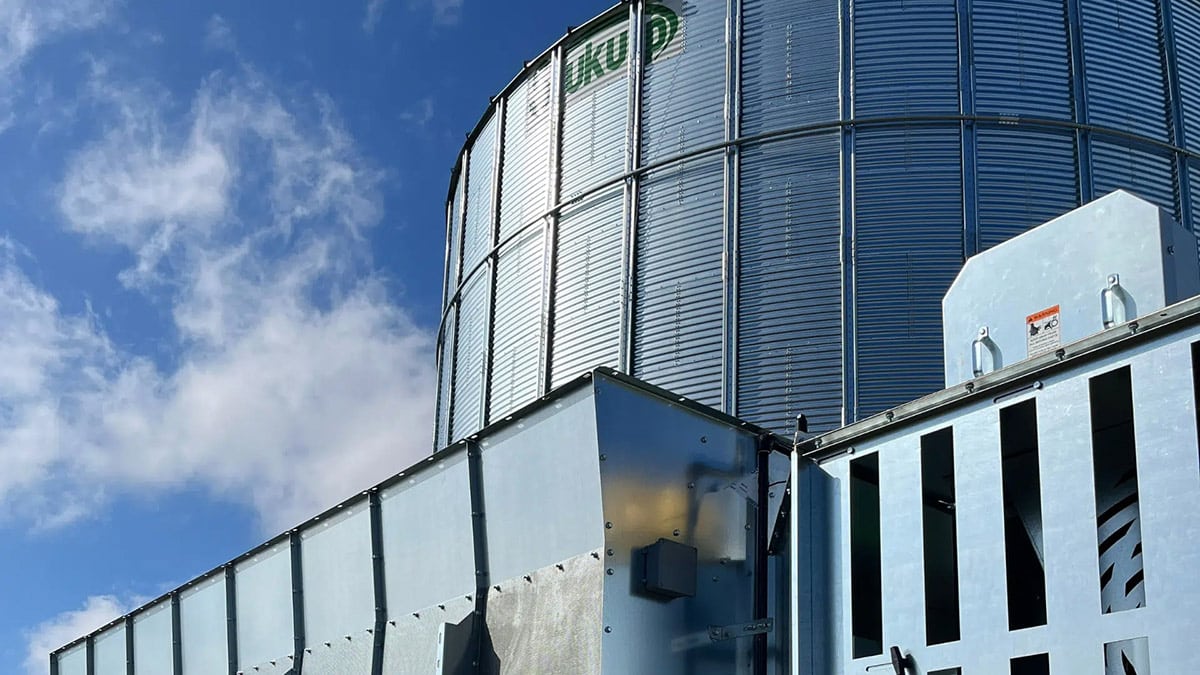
(675, 532)
(608, 525)
(610, 571)
(611, 552)
(691, 486)
(608, 629)
(603, 458)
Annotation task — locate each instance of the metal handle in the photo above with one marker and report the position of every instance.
(979, 345)
(1112, 302)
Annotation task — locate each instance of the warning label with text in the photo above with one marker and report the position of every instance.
(1043, 331)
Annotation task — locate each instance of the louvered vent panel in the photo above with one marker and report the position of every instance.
(1149, 175)
(1022, 63)
(587, 300)
(516, 341)
(466, 413)
(524, 192)
(789, 64)
(678, 328)
(790, 285)
(1025, 178)
(1125, 82)
(684, 86)
(909, 249)
(905, 58)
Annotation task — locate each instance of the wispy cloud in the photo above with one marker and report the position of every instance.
(48, 636)
(299, 379)
(446, 12)
(218, 35)
(419, 115)
(374, 14)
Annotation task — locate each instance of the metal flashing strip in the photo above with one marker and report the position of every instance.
(1001, 382)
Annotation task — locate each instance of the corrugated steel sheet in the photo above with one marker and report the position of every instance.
(1025, 178)
(466, 413)
(1186, 15)
(516, 334)
(909, 247)
(683, 93)
(789, 64)
(1143, 172)
(455, 229)
(790, 284)
(524, 192)
(905, 57)
(587, 298)
(678, 330)
(1022, 58)
(595, 122)
(480, 216)
(1124, 67)
(445, 380)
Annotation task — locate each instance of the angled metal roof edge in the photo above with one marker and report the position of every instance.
(1007, 381)
(451, 450)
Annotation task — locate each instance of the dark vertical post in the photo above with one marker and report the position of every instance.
(1083, 141)
(90, 656)
(231, 640)
(846, 101)
(176, 635)
(966, 88)
(1170, 63)
(129, 662)
(53, 664)
(381, 612)
(732, 216)
(479, 540)
(762, 542)
(297, 601)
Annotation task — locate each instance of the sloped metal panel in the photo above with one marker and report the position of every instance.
(481, 212)
(203, 627)
(110, 652)
(909, 234)
(587, 300)
(789, 64)
(73, 661)
(516, 334)
(1021, 56)
(595, 119)
(1186, 14)
(1123, 64)
(339, 596)
(1144, 173)
(905, 57)
(683, 90)
(264, 610)
(152, 641)
(1025, 178)
(525, 190)
(466, 411)
(790, 284)
(678, 329)
(446, 379)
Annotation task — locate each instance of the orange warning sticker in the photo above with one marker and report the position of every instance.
(1043, 331)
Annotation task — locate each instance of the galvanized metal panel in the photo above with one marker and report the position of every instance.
(264, 609)
(1124, 67)
(152, 640)
(446, 378)
(203, 628)
(790, 284)
(682, 96)
(110, 651)
(594, 124)
(587, 298)
(428, 555)
(74, 661)
(909, 239)
(1025, 178)
(480, 216)
(678, 329)
(671, 473)
(340, 656)
(905, 58)
(525, 186)
(466, 413)
(455, 233)
(339, 599)
(543, 497)
(1186, 16)
(411, 640)
(1145, 173)
(789, 64)
(516, 333)
(558, 609)
(1021, 58)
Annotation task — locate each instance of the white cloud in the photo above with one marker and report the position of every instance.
(297, 379)
(48, 636)
(218, 35)
(420, 114)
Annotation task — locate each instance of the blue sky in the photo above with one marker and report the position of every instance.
(221, 247)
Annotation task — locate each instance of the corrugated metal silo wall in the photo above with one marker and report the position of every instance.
(758, 204)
